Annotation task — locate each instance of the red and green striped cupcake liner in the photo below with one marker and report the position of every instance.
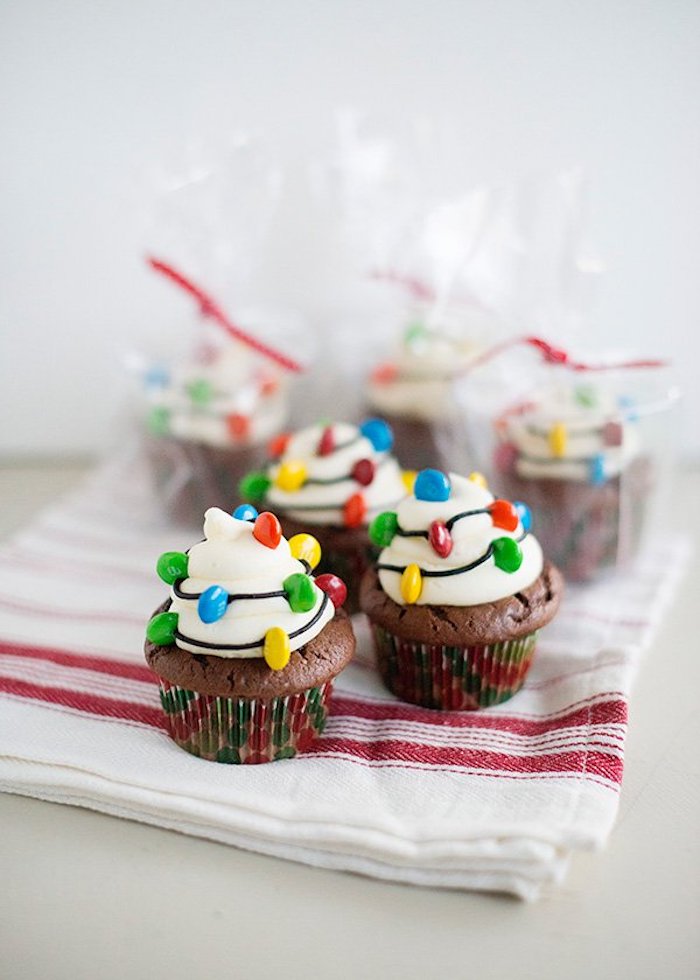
(453, 678)
(244, 730)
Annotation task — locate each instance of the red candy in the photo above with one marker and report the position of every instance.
(326, 443)
(267, 529)
(363, 472)
(238, 425)
(354, 510)
(277, 445)
(384, 373)
(504, 515)
(505, 456)
(612, 434)
(440, 539)
(334, 588)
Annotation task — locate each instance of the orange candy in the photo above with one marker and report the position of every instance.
(277, 445)
(354, 510)
(238, 425)
(267, 529)
(504, 515)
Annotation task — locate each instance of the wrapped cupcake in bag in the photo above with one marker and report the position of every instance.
(584, 449)
(246, 648)
(334, 477)
(458, 594)
(209, 418)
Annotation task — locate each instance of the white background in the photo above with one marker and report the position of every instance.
(94, 94)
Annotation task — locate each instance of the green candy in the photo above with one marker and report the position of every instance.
(585, 395)
(507, 554)
(158, 421)
(200, 391)
(161, 629)
(415, 333)
(171, 566)
(254, 486)
(300, 592)
(383, 528)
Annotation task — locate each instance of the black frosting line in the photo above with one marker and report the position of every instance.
(445, 573)
(259, 643)
(449, 524)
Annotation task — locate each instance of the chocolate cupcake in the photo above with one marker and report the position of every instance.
(208, 423)
(458, 595)
(247, 647)
(334, 477)
(576, 456)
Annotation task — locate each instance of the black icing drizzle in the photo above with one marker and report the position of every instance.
(449, 524)
(445, 573)
(259, 643)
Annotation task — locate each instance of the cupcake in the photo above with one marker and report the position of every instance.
(208, 423)
(575, 454)
(246, 648)
(458, 595)
(335, 477)
(414, 392)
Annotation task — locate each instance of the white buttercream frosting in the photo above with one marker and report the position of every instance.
(471, 538)
(323, 503)
(232, 558)
(418, 383)
(595, 432)
(244, 403)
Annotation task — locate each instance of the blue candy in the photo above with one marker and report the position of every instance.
(379, 434)
(213, 603)
(245, 512)
(627, 404)
(596, 472)
(432, 485)
(157, 376)
(524, 514)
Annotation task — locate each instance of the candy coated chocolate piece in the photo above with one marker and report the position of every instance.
(612, 434)
(411, 584)
(505, 456)
(479, 479)
(200, 391)
(254, 486)
(158, 421)
(277, 445)
(161, 629)
(557, 439)
(238, 425)
(507, 554)
(408, 478)
(440, 538)
(326, 444)
(245, 512)
(503, 514)
(334, 587)
(586, 396)
(171, 566)
(276, 648)
(306, 548)
(596, 470)
(354, 510)
(524, 514)
(291, 476)
(383, 529)
(379, 434)
(212, 604)
(363, 472)
(432, 485)
(267, 529)
(300, 592)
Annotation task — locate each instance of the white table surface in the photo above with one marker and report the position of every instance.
(89, 896)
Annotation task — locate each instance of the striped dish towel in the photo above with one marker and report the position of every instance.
(494, 800)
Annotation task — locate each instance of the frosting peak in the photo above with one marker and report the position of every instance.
(462, 549)
(245, 591)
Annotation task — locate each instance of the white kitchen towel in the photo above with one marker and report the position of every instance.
(493, 800)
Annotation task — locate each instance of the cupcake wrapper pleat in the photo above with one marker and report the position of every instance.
(456, 678)
(241, 730)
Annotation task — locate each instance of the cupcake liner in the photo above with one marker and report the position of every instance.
(453, 678)
(244, 730)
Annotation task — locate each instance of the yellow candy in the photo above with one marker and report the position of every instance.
(409, 479)
(306, 548)
(411, 584)
(291, 475)
(557, 439)
(479, 479)
(276, 648)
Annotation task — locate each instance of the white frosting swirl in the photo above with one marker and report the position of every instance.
(236, 387)
(471, 538)
(231, 557)
(323, 503)
(420, 379)
(595, 433)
